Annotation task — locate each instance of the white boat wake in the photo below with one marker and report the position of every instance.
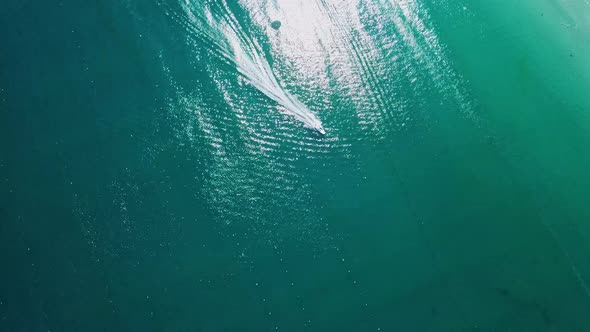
(224, 32)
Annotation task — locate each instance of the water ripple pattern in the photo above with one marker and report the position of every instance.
(376, 72)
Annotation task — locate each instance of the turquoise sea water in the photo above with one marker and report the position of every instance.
(162, 167)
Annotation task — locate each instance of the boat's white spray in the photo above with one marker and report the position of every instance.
(246, 54)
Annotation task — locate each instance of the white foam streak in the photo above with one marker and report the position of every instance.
(243, 52)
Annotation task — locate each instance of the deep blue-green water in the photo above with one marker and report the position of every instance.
(382, 165)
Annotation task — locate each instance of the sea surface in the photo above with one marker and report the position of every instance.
(295, 165)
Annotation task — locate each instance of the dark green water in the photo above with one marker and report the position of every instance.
(159, 172)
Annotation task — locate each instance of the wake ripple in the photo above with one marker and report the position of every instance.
(218, 27)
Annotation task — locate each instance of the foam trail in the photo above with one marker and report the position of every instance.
(243, 52)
